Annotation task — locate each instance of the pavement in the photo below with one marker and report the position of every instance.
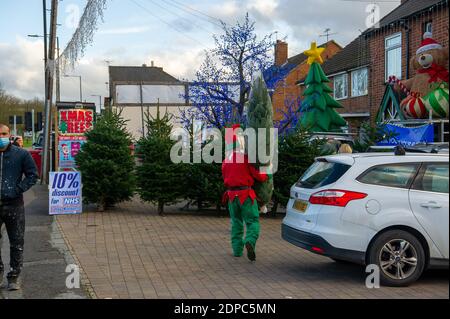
(132, 252)
(46, 255)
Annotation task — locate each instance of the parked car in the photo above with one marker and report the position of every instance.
(433, 148)
(36, 150)
(374, 208)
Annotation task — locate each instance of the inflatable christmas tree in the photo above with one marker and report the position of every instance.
(318, 108)
(260, 115)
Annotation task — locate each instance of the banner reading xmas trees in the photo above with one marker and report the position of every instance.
(74, 119)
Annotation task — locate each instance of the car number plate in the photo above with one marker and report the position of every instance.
(300, 205)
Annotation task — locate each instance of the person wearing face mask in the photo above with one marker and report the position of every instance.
(18, 173)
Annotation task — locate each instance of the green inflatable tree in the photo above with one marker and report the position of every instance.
(106, 163)
(260, 115)
(159, 180)
(318, 108)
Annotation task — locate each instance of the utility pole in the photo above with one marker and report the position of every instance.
(50, 68)
(58, 75)
(46, 104)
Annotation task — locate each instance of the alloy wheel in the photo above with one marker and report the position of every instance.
(398, 259)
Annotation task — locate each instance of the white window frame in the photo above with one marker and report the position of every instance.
(367, 80)
(387, 49)
(429, 26)
(345, 75)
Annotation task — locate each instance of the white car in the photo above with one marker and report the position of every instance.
(374, 208)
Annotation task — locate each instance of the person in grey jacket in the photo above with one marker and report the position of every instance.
(15, 163)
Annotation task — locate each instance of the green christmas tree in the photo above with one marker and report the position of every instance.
(106, 163)
(203, 181)
(295, 154)
(260, 115)
(159, 180)
(319, 108)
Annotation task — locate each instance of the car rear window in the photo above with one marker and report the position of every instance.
(391, 175)
(322, 173)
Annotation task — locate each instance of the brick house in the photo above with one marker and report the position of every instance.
(282, 77)
(359, 72)
(394, 42)
(348, 72)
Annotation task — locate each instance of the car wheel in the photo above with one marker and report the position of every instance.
(400, 257)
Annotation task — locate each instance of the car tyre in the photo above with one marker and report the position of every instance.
(400, 257)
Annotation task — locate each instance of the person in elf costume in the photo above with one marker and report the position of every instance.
(239, 176)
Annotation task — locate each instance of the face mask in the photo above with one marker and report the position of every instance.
(4, 142)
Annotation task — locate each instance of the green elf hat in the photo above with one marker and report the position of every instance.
(231, 138)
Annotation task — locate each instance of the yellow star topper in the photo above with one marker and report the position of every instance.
(314, 54)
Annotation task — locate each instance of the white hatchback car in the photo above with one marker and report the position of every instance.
(374, 208)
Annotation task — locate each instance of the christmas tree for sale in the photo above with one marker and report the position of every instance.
(159, 180)
(319, 108)
(296, 153)
(203, 184)
(106, 163)
(260, 116)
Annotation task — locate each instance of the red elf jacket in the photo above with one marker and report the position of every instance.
(238, 173)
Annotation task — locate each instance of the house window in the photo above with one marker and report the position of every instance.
(340, 86)
(393, 48)
(359, 82)
(428, 27)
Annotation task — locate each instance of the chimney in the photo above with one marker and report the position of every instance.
(281, 53)
(152, 64)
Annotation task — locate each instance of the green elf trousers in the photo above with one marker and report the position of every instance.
(247, 213)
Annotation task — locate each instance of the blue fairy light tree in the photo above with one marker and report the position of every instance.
(290, 116)
(221, 88)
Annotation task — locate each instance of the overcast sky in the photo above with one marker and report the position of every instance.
(172, 33)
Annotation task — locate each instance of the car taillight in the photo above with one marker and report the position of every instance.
(317, 250)
(335, 197)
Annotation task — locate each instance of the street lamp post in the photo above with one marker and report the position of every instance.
(81, 89)
(58, 77)
(100, 104)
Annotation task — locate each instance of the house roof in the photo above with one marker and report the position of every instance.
(406, 9)
(273, 74)
(300, 58)
(354, 55)
(147, 74)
